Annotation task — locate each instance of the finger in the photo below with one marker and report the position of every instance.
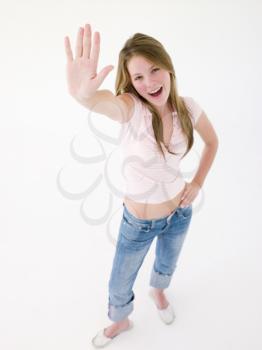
(188, 199)
(184, 199)
(79, 43)
(87, 41)
(185, 202)
(95, 50)
(185, 205)
(184, 195)
(185, 189)
(103, 73)
(68, 50)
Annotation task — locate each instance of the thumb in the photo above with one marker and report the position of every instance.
(184, 191)
(103, 74)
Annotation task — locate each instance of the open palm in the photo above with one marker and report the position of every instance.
(82, 78)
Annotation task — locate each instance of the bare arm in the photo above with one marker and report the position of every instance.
(84, 81)
(207, 133)
(119, 108)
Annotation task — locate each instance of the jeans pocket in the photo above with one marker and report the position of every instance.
(135, 225)
(185, 212)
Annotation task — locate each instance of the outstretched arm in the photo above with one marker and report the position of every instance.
(83, 80)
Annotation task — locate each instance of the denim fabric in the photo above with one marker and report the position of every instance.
(134, 240)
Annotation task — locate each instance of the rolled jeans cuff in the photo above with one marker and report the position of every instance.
(159, 280)
(119, 313)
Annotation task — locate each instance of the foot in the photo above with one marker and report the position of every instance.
(160, 299)
(116, 328)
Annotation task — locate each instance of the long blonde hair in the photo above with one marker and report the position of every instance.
(151, 49)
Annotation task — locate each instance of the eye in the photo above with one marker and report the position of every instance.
(153, 70)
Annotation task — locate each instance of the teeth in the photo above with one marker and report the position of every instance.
(152, 92)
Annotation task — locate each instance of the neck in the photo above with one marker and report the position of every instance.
(165, 111)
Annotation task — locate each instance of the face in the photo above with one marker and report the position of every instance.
(147, 78)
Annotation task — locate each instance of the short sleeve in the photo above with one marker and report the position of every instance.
(131, 128)
(194, 108)
(138, 107)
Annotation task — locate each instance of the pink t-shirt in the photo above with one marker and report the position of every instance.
(147, 176)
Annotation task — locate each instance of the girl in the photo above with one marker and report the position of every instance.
(158, 127)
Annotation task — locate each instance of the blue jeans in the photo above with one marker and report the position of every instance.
(134, 240)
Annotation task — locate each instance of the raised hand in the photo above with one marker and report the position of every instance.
(82, 78)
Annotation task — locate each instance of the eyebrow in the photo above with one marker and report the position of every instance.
(140, 73)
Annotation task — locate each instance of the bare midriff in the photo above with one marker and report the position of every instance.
(149, 211)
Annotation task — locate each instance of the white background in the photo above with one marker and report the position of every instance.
(54, 264)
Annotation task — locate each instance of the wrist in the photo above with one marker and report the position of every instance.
(197, 183)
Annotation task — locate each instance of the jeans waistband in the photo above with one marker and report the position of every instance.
(148, 221)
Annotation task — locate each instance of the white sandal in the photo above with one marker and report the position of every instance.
(167, 315)
(101, 340)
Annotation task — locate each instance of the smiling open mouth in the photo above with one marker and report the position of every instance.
(157, 93)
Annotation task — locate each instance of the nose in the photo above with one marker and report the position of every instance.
(150, 84)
